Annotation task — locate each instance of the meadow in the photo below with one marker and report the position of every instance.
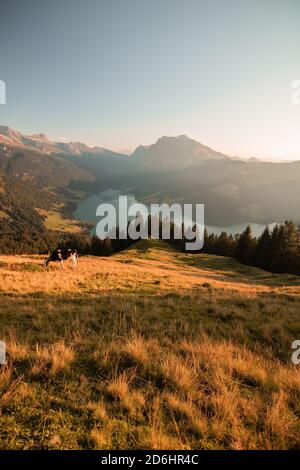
(149, 348)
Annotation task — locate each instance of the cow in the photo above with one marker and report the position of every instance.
(61, 256)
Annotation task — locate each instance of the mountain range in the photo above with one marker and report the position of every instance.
(50, 177)
(167, 152)
(42, 143)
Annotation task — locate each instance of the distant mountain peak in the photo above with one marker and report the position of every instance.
(174, 153)
(168, 152)
(41, 143)
(40, 137)
(9, 132)
(178, 138)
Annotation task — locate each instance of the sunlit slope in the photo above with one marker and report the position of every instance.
(151, 267)
(150, 348)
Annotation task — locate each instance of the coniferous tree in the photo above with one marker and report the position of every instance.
(263, 252)
(107, 248)
(245, 247)
(287, 249)
(96, 246)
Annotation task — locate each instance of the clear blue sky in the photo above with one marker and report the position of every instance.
(119, 73)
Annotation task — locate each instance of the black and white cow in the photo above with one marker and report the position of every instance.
(61, 256)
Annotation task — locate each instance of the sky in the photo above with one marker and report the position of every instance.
(121, 73)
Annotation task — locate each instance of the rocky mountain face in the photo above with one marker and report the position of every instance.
(174, 153)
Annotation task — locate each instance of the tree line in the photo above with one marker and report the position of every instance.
(276, 250)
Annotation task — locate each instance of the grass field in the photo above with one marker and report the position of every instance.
(55, 220)
(150, 348)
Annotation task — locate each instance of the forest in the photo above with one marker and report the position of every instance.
(276, 250)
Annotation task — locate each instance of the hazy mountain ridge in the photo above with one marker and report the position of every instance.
(174, 153)
(43, 144)
(174, 169)
(180, 151)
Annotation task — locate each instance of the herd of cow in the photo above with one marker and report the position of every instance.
(61, 256)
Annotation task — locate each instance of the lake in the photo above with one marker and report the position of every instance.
(86, 211)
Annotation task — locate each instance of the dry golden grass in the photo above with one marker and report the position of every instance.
(132, 271)
(178, 372)
(134, 352)
(55, 220)
(160, 441)
(16, 349)
(99, 438)
(55, 357)
(137, 348)
(98, 409)
(119, 387)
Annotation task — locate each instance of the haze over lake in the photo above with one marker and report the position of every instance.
(86, 211)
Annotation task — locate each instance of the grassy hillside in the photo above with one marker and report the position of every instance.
(37, 198)
(150, 348)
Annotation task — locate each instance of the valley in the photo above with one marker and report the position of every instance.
(59, 176)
